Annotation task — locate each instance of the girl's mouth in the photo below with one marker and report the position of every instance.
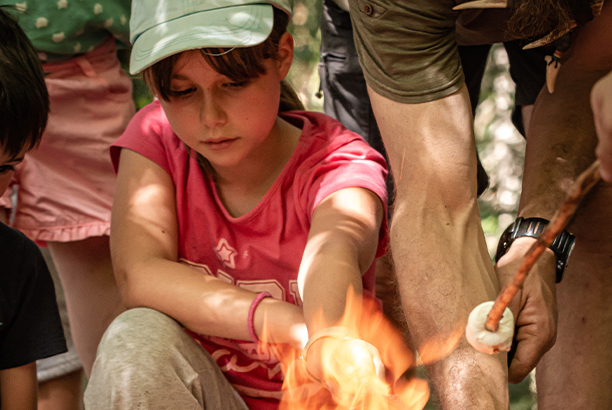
(219, 143)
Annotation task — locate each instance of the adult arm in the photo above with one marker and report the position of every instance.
(442, 264)
(144, 248)
(18, 388)
(601, 103)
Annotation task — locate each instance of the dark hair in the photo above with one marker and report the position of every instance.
(24, 100)
(238, 64)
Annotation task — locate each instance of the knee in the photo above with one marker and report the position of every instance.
(137, 330)
(137, 354)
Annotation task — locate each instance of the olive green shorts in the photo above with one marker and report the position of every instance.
(407, 48)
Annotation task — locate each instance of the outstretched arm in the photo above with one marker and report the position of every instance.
(144, 247)
(341, 245)
(442, 264)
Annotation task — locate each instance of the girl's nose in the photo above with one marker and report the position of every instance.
(212, 113)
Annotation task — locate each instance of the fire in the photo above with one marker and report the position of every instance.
(365, 386)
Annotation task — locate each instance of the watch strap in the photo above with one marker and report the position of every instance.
(533, 228)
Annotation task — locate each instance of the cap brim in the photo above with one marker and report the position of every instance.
(238, 26)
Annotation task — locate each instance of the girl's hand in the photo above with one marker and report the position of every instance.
(349, 368)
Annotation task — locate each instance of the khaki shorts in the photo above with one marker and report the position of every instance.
(408, 49)
(66, 185)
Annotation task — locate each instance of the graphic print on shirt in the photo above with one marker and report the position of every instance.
(226, 253)
(224, 351)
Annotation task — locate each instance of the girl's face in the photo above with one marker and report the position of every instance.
(224, 121)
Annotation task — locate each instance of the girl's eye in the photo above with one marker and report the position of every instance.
(181, 93)
(236, 85)
(6, 168)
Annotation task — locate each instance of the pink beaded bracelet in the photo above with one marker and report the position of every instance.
(254, 305)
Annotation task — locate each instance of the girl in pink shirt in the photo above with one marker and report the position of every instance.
(233, 219)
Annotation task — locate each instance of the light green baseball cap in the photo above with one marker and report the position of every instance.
(161, 28)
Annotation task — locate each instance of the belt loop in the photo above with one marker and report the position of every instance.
(88, 69)
(85, 66)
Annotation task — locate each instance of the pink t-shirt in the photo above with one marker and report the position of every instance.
(261, 250)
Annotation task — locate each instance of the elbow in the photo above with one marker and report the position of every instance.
(128, 288)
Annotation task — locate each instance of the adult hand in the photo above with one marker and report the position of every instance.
(601, 103)
(534, 307)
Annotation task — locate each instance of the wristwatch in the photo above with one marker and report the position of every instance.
(562, 246)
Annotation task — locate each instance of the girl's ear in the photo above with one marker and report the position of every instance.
(285, 54)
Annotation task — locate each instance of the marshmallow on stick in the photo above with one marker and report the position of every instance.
(484, 340)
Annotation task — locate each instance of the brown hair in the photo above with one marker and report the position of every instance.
(238, 64)
(24, 100)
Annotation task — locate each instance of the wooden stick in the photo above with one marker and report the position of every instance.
(564, 214)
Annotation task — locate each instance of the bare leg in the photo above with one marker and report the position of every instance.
(62, 393)
(439, 252)
(60, 378)
(388, 292)
(92, 295)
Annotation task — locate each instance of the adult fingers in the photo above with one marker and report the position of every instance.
(529, 351)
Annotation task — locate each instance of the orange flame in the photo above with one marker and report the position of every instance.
(352, 386)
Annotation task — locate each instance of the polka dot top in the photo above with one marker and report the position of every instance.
(61, 29)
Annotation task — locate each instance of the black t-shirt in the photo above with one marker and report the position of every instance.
(30, 325)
